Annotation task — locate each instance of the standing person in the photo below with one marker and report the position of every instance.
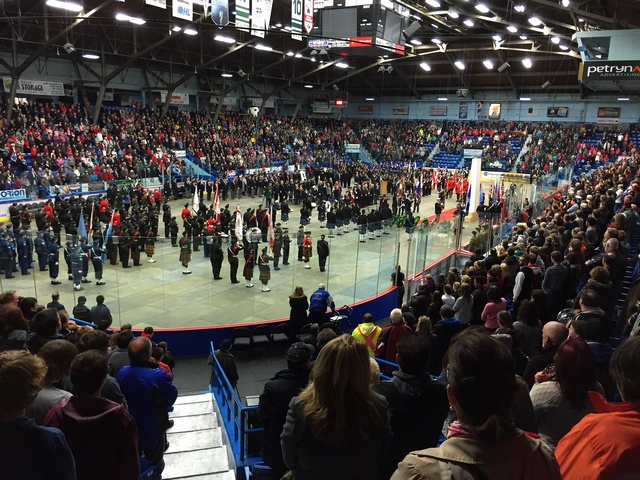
(249, 264)
(409, 226)
(185, 252)
(149, 393)
(323, 252)
(23, 253)
(307, 249)
(418, 404)
(318, 303)
(150, 246)
(92, 423)
(464, 304)
(483, 440)
(53, 258)
(263, 268)
(101, 315)
(174, 229)
(298, 314)
(368, 333)
(391, 335)
(96, 253)
(286, 246)
(21, 378)
(232, 255)
(397, 278)
(40, 245)
(75, 259)
(299, 241)
(124, 248)
(277, 246)
(227, 362)
(495, 304)
(337, 417)
(274, 403)
(216, 257)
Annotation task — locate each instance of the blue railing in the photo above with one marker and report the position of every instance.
(235, 415)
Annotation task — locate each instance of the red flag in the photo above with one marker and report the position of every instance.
(455, 176)
(434, 179)
(271, 228)
(91, 220)
(216, 204)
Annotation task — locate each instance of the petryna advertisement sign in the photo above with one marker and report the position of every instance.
(35, 87)
(612, 70)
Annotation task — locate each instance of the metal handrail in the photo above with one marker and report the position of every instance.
(234, 412)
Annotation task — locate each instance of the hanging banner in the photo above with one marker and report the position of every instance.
(463, 109)
(296, 19)
(268, 6)
(242, 15)
(308, 16)
(183, 9)
(35, 87)
(220, 12)
(257, 18)
(157, 3)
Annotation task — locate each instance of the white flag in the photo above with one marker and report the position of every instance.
(238, 230)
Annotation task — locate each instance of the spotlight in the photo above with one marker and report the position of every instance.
(503, 67)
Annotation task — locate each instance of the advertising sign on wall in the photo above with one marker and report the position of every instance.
(13, 194)
(34, 87)
(398, 110)
(176, 98)
(365, 109)
(557, 111)
(600, 70)
(438, 111)
(608, 112)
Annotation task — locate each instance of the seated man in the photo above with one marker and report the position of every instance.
(27, 450)
(418, 405)
(606, 444)
(93, 424)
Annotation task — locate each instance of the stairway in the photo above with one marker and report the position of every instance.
(196, 451)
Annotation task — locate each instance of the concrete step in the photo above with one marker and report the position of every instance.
(197, 462)
(229, 475)
(200, 397)
(193, 423)
(199, 440)
(190, 409)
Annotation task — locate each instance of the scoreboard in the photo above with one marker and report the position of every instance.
(359, 27)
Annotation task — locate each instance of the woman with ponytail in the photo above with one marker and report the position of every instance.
(484, 442)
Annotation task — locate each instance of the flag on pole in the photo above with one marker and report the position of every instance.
(434, 179)
(196, 201)
(238, 229)
(468, 200)
(107, 235)
(271, 228)
(82, 229)
(216, 204)
(91, 219)
(419, 187)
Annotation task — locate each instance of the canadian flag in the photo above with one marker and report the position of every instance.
(479, 107)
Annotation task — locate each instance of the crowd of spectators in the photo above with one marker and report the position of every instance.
(73, 392)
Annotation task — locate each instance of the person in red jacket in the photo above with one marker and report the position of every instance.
(606, 444)
(389, 337)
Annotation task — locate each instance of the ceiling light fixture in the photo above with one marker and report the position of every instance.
(527, 63)
(535, 21)
(369, 99)
(308, 86)
(482, 8)
(224, 39)
(443, 99)
(468, 22)
(425, 66)
(459, 64)
(265, 48)
(69, 6)
(298, 55)
(623, 99)
(453, 13)
(415, 41)
(563, 47)
(227, 75)
(497, 38)
(433, 3)
(512, 28)
(519, 8)
(190, 31)
(525, 99)
(503, 67)
(488, 64)
(176, 28)
(565, 3)
(437, 41)
(346, 65)
(290, 54)
(91, 56)
(523, 37)
(555, 40)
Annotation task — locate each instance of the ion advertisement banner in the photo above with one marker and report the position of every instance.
(35, 87)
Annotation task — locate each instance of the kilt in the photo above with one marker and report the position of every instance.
(185, 258)
(284, 217)
(265, 276)
(247, 272)
(150, 249)
(307, 251)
